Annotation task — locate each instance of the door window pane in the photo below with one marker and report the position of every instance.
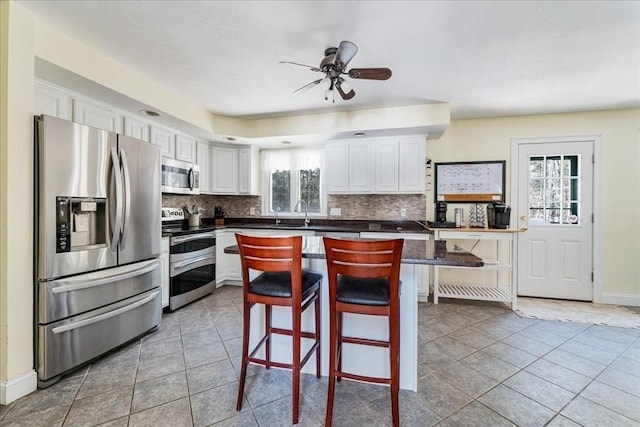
(554, 190)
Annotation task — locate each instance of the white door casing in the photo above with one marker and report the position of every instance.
(554, 196)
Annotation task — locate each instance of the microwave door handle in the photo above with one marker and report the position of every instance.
(191, 179)
(117, 222)
(105, 316)
(127, 198)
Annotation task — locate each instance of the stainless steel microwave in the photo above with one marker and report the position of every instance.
(180, 177)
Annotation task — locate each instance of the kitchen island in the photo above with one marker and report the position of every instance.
(359, 359)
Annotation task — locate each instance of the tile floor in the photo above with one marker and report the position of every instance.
(479, 363)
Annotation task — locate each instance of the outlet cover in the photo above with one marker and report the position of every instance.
(252, 211)
(335, 212)
(403, 212)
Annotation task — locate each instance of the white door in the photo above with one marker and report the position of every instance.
(555, 204)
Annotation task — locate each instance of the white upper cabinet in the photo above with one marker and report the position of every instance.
(386, 166)
(337, 167)
(98, 115)
(203, 159)
(361, 167)
(185, 148)
(225, 170)
(380, 165)
(51, 100)
(412, 154)
(247, 171)
(136, 128)
(165, 138)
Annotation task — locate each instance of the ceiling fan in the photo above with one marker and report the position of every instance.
(334, 66)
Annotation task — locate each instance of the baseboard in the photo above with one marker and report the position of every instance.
(13, 389)
(620, 299)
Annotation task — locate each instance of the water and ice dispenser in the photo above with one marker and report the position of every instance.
(81, 223)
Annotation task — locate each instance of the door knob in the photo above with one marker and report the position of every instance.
(523, 217)
(523, 228)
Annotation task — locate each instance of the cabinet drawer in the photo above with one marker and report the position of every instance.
(472, 235)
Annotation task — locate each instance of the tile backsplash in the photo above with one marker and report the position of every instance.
(356, 206)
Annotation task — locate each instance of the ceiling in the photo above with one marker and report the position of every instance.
(484, 58)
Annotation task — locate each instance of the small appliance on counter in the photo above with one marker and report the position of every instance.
(498, 215)
(441, 217)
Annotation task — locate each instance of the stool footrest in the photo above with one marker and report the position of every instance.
(376, 380)
(269, 363)
(365, 341)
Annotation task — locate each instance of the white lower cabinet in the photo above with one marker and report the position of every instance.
(164, 257)
(419, 273)
(228, 268)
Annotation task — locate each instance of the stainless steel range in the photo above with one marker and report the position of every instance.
(192, 259)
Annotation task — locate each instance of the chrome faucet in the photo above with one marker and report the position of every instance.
(306, 211)
(277, 220)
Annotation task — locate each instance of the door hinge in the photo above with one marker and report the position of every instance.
(592, 276)
(593, 159)
(593, 219)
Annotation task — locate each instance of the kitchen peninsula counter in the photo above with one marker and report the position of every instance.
(364, 360)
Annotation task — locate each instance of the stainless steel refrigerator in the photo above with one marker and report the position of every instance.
(98, 231)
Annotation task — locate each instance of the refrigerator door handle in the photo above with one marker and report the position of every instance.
(127, 198)
(117, 223)
(77, 283)
(101, 317)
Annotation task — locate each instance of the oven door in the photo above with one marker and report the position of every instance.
(191, 279)
(192, 246)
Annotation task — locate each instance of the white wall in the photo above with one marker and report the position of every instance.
(490, 139)
(16, 203)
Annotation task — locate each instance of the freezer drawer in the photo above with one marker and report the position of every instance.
(69, 343)
(59, 299)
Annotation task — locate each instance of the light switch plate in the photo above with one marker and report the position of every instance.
(335, 212)
(252, 211)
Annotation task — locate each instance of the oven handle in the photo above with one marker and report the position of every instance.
(189, 264)
(181, 239)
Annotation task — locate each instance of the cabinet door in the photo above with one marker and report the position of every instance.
(412, 157)
(386, 166)
(337, 167)
(165, 138)
(247, 173)
(227, 265)
(361, 167)
(136, 128)
(225, 170)
(203, 159)
(52, 101)
(98, 115)
(185, 148)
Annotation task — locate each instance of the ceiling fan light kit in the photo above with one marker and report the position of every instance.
(334, 65)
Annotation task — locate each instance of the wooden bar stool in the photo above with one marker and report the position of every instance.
(282, 282)
(364, 278)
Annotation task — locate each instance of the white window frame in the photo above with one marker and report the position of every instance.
(295, 182)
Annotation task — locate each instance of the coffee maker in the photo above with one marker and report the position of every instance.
(441, 211)
(498, 215)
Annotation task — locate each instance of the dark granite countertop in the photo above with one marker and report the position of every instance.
(413, 252)
(319, 225)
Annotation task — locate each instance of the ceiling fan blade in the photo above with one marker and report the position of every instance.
(346, 51)
(370, 73)
(307, 86)
(312, 68)
(348, 95)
